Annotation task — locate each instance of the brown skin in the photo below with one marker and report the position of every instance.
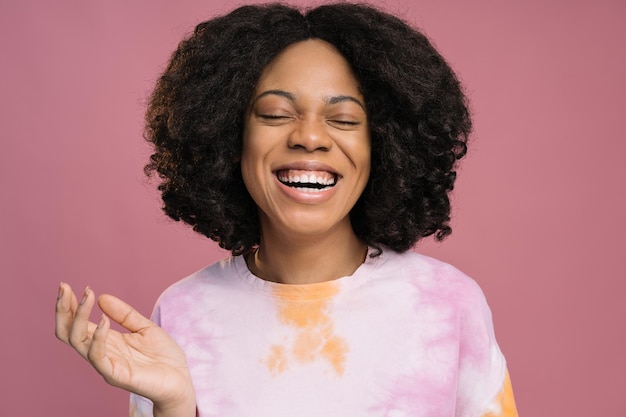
(146, 361)
(306, 115)
(307, 109)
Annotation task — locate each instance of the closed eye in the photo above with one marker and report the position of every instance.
(344, 124)
(273, 116)
(275, 119)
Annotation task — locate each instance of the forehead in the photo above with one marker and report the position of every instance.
(311, 64)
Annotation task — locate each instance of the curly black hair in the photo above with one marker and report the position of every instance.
(417, 112)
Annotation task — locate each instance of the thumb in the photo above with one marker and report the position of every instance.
(123, 314)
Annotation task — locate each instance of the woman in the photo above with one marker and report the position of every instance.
(318, 147)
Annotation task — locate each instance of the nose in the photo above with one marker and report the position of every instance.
(310, 135)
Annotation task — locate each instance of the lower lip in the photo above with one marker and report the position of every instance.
(307, 197)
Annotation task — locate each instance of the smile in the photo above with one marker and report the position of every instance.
(307, 181)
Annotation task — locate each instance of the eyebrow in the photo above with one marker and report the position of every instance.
(341, 99)
(280, 93)
(291, 97)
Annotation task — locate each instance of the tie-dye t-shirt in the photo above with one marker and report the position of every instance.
(405, 335)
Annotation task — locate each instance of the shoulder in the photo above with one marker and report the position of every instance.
(439, 287)
(211, 275)
(444, 291)
(209, 282)
(432, 277)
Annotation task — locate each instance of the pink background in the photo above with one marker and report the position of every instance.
(539, 207)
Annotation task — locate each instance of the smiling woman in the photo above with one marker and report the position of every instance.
(306, 158)
(318, 147)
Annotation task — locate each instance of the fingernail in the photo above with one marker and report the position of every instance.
(86, 293)
(101, 322)
(60, 294)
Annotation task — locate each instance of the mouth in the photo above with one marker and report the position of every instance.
(307, 181)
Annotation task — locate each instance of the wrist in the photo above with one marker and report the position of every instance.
(182, 407)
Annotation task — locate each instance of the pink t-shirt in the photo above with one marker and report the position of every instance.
(405, 335)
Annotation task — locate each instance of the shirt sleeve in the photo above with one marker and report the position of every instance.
(503, 405)
(483, 385)
(139, 406)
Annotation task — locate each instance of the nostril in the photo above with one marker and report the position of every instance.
(310, 137)
(310, 148)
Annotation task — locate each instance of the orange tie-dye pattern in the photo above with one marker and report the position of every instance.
(505, 401)
(306, 311)
(277, 360)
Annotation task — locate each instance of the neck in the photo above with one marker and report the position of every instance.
(307, 260)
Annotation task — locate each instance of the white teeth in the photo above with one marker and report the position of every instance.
(306, 179)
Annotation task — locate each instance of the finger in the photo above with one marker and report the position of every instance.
(97, 354)
(64, 315)
(80, 332)
(73, 302)
(122, 313)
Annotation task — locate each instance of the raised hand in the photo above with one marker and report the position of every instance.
(146, 361)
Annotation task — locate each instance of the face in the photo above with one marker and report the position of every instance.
(306, 147)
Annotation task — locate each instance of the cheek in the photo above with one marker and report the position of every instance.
(365, 158)
(362, 152)
(252, 166)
